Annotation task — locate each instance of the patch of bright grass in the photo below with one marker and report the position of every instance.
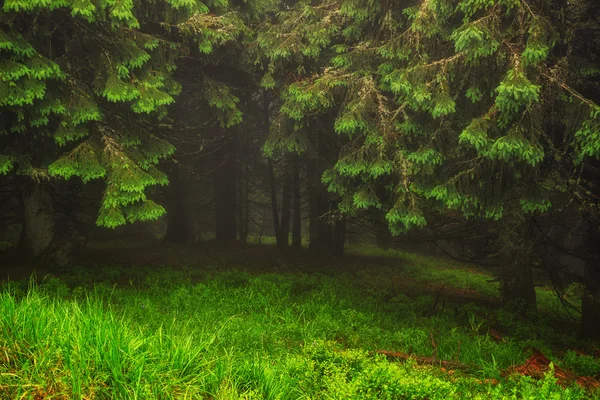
(454, 274)
(162, 334)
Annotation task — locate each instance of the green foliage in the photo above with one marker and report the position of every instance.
(120, 332)
(476, 136)
(588, 136)
(583, 365)
(515, 92)
(401, 219)
(82, 161)
(445, 93)
(517, 148)
(220, 97)
(87, 71)
(475, 40)
(6, 164)
(532, 206)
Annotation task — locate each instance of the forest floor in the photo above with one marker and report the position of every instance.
(141, 321)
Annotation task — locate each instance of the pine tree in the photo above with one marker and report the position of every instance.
(469, 106)
(86, 84)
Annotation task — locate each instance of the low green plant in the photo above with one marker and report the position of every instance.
(155, 333)
(584, 365)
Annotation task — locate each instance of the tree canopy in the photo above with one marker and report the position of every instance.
(469, 106)
(86, 87)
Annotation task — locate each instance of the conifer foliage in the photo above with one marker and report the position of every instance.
(85, 83)
(461, 105)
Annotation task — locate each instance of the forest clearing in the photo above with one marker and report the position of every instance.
(374, 324)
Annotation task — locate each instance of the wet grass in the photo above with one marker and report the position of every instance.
(221, 331)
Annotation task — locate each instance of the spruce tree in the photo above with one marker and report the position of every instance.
(86, 85)
(483, 107)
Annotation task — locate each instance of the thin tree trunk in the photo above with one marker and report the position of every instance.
(286, 203)
(589, 327)
(297, 220)
(313, 205)
(180, 229)
(246, 204)
(274, 208)
(244, 207)
(240, 197)
(226, 194)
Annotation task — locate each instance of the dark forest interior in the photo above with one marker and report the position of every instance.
(281, 199)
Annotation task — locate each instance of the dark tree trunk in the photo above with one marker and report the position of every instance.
(517, 284)
(326, 235)
(38, 217)
(52, 229)
(590, 303)
(180, 227)
(247, 205)
(226, 194)
(313, 206)
(516, 277)
(286, 203)
(339, 236)
(274, 206)
(243, 197)
(297, 220)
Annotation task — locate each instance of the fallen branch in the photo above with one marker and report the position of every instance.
(538, 364)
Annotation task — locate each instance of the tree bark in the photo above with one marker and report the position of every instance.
(313, 206)
(589, 327)
(243, 196)
(516, 276)
(226, 194)
(517, 285)
(38, 217)
(325, 235)
(286, 202)
(297, 217)
(180, 227)
(274, 206)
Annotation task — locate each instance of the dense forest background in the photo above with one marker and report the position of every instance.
(468, 128)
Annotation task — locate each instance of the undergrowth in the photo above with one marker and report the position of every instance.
(116, 333)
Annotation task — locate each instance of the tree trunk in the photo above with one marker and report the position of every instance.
(243, 199)
(180, 227)
(516, 277)
(313, 206)
(297, 220)
(38, 217)
(589, 327)
(226, 194)
(325, 235)
(590, 303)
(286, 203)
(517, 285)
(274, 207)
(339, 236)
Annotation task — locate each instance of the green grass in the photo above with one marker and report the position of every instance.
(117, 333)
(272, 240)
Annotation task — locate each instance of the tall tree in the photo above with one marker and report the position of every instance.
(83, 86)
(297, 206)
(470, 106)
